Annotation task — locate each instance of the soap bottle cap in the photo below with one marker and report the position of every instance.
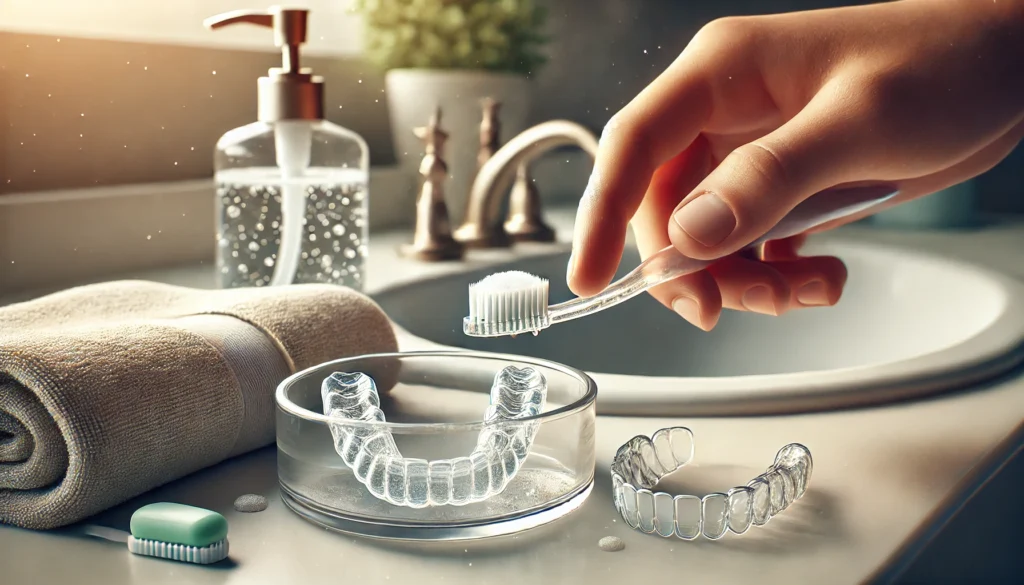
(288, 92)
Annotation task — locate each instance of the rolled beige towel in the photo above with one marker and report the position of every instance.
(110, 390)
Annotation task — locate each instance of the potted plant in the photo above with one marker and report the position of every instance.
(451, 54)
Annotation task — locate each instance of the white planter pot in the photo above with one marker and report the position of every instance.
(413, 95)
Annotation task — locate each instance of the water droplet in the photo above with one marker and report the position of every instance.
(243, 268)
(234, 211)
(338, 229)
(268, 262)
(254, 247)
(149, 237)
(350, 253)
(312, 237)
(215, 73)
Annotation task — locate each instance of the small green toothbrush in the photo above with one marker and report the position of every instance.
(172, 531)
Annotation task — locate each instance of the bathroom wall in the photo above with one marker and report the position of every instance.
(139, 92)
(120, 93)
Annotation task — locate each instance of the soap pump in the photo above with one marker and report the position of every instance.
(291, 187)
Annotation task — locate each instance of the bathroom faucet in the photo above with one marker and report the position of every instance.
(481, 226)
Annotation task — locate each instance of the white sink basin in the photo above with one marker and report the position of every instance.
(908, 325)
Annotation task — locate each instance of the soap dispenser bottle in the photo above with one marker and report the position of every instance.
(291, 187)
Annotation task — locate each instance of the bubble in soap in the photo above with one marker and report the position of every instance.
(611, 544)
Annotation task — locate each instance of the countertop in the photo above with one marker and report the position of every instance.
(885, 480)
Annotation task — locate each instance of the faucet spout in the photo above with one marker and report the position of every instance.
(482, 227)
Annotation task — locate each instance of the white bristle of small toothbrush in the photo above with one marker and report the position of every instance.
(507, 303)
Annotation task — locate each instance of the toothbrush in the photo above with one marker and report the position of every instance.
(511, 303)
(171, 531)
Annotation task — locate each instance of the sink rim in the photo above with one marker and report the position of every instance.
(994, 350)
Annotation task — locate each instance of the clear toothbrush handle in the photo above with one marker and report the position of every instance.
(669, 263)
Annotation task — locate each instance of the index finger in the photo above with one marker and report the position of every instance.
(655, 126)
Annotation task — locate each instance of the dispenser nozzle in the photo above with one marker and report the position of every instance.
(289, 26)
(288, 93)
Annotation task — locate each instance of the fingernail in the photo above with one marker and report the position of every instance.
(571, 267)
(706, 219)
(688, 309)
(813, 294)
(760, 299)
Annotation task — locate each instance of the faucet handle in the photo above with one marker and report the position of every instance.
(433, 137)
(490, 129)
(525, 222)
(432, 237)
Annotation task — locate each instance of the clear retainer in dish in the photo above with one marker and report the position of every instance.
(642, 462)
(372, 455)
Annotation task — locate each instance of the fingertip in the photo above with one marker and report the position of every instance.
(816, 293)
(694, 297)
(701, 224)
(816, 281)
(750, 285)
(586, 279)
(704, 316)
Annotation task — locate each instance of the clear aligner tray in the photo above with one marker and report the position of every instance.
(642, 462)
(374, 458)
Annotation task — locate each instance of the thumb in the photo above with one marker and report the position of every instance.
(757, 184)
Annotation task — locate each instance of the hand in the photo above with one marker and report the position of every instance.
(759, 113)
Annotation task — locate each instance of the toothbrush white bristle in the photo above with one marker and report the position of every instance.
(203, 555)
(507, 303)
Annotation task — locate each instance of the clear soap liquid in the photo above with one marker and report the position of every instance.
(334, 229)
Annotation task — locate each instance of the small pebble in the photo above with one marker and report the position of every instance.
(251, 503)
(611, 544)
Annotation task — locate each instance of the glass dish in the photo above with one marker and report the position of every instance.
(434, 403)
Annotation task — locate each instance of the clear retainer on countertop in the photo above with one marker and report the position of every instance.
(372, 455)
(642, 462)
